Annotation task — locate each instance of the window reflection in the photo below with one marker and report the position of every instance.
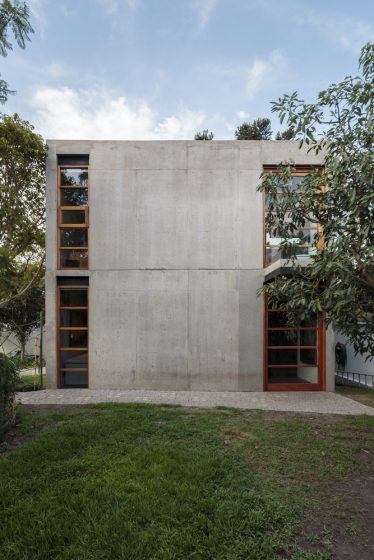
(74, 237)
(74, 258)
(74, 176)
(74, 197)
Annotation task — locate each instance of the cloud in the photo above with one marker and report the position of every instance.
(38, 12)
(113, 7)
(350, 33)
(204, 10)
(264, 70)
(98, 115)
(242, 114)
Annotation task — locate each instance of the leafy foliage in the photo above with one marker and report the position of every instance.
(8, 384)
(204, 135)
(22, 202)
(287, 134)
(22, 314)
(339, 278)
(14, 16)
(259, 129)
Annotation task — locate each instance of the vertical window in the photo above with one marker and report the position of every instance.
(72, 343)
(302, 244)
(73, 185)
(293, 352)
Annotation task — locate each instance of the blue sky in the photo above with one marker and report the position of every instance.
(163, 69)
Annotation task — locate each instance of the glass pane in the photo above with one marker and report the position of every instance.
(73, 359)
(292, 356)
(74, 318)
(74, 197)
(74, 176)
(74, 339)
(287, 219)
(74, 379)
(73, 298)
(279, 319)
(299, 237)
(73, 259)
(296, 183)
(74, 237)
(292, 338)
(293, 375)
(308, 338)
(73, 217)
(274, 253)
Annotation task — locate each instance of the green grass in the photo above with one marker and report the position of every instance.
(165, 483)
(30, 383)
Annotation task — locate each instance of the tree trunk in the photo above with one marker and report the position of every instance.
(22, 342)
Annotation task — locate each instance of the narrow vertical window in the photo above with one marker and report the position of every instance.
(72, 344)
(73, 187)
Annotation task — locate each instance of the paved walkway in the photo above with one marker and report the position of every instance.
(313, 402)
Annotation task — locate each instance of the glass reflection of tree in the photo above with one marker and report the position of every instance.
(73, 238)
(75, 197)
(67, 179)
(83, 178)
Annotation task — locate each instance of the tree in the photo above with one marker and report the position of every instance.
(340, 276)
(22, 314)
(22, 204)
(259, 129)
(204, 135)
(14, 16)
(287, 134)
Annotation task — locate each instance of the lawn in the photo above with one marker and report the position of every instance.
(30, 383)
(166, 483)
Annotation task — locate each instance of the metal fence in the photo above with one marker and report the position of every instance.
(354, 379)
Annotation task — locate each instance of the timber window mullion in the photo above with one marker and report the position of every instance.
(73, 336)
(73, 217)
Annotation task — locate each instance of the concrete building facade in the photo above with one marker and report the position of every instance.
(164, 280)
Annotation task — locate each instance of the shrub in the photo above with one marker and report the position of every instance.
(8, 383)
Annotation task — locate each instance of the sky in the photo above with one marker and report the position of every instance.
(165, 69)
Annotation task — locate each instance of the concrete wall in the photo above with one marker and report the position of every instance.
(175, 256)
(360, 363)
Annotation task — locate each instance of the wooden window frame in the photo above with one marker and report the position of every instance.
(59, 329)
(60, 208)
(299, 171)
(321, 356)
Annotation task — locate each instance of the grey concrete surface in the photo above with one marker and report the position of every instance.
(176, 259)
(307, 402)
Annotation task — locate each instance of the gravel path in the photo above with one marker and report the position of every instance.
(314, 402)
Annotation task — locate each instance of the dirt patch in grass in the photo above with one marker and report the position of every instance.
(342, 528)
(363, 396)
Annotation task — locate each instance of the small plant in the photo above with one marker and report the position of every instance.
(204, 135)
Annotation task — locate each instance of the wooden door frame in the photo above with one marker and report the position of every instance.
(321, 365)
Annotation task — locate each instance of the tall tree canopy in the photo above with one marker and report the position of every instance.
(22, 315)
(339, 277)
(14, 17)
(22, 201)
(259, 129)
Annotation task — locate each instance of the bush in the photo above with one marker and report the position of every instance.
(8, 384)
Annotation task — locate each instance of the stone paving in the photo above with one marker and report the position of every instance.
(309, 402)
